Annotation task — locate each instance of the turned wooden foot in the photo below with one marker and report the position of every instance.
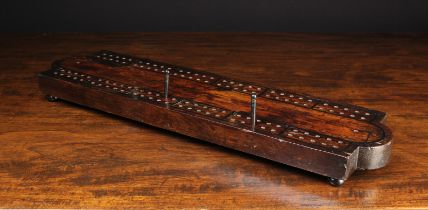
(336, 182)
(51, 98)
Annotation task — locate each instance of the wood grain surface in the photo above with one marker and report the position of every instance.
(60, 155)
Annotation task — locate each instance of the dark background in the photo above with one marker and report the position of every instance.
(220, 15)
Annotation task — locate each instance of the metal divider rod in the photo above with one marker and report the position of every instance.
(253, 111)
(166, 85)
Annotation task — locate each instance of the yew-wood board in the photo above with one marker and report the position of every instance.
(329, 138)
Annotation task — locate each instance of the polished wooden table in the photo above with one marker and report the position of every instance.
(60, 155)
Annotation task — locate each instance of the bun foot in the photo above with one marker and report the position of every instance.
(51, 98)
(336, 182)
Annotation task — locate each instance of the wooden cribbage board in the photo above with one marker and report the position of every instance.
(325, 137)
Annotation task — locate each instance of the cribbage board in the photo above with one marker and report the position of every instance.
(329, 138)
